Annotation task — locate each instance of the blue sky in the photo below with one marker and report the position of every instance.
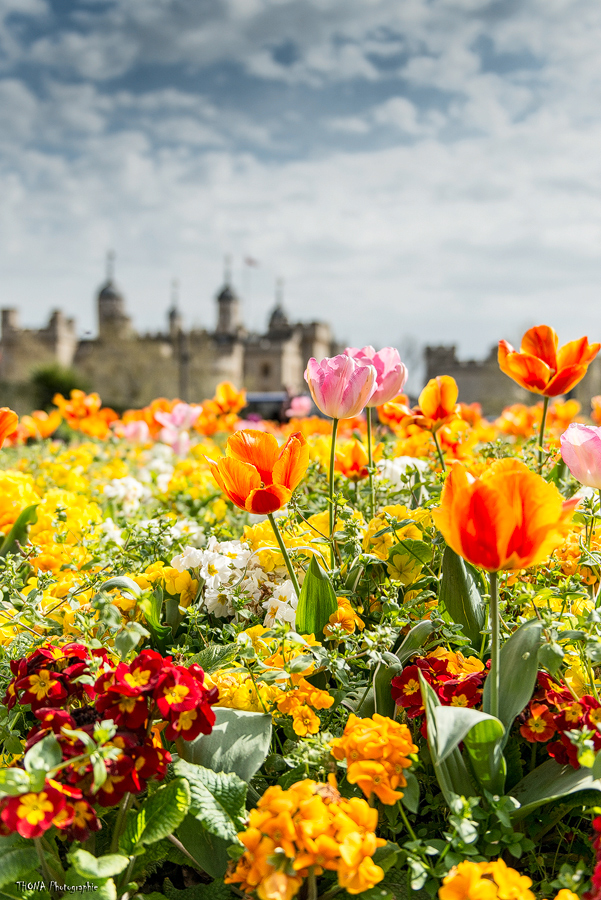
(424, 170)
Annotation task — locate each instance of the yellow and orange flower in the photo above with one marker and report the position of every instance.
(352, 459)
(485, 881)
(437, 403)
(510, 518)
(543, 368)
(256, 474)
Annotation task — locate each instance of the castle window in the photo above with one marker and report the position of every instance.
(265, 370)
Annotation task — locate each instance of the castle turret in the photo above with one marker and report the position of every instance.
(228, 306)
(113, 322)
(174, 315)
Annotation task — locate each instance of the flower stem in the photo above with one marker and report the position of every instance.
(287, 559)
(439, 451)
(495, 673)
(331, 494)
(121, 820)
(370, 462)
(541, 434)
(406, 822)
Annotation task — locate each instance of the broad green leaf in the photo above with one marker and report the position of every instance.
(151, 605)
(217, 799)
(518, 666)
(122, 583)
(414, 639)
(407, 558)
(14, 782)
(44, 755)
(209, 851)
(213, 657)
(129, 637)
(239, 743)
(317, 601)
(18, 858)
(216, 890)
(158, 817)
(550, 655)
(383, 702)
(90, 866)
(18, 533)
(460, 595)
(452, 774)
(410, 798)
(103, 888)
(550, 782)
(482, 735)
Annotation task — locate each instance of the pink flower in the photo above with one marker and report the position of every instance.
(340, 385)
(136, 431)
(581, 452)
(391, 372)
(176, 425)
(299, 407)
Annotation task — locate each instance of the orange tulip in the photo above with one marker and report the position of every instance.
(8, 423)
(510, 518)
(256, 474)
(437, 403)
(541, 367)
(352, 459)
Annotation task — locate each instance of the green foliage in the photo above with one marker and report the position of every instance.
(159, 816)
(239, 743)
(519, 666)
(217, 799)
(17, 536)
(18, 858)
(56, 379)
(460, 596)
(317, 601)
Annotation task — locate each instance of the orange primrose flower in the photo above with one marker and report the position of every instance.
(541, 367)
(510, 518)
(256, 474)
(539, 725)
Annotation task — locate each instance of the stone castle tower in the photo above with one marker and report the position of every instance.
(129, 369)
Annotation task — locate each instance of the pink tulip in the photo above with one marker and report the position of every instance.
(136, 431)
(340, 385)
(182, 416)
(299, 407)
(391, 372)
(581, 452)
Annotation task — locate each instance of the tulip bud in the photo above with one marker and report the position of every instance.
(581, 452)
(340, 385)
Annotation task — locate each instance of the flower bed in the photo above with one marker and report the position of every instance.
(316, 659)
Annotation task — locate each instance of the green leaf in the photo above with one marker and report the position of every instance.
(158, 817)
(414, 639)
(483, 737)
(410, 798)
(217, 799)
(89, 866)
(383, 702)
(451, 772)
(239, 743)
(550, 782)
(317, 601)
(129, 637)
(122, 583)
(14, 782)
(550, 656)
(214, 891)
(209, 851)
(460, 595)
(19, 531)
(151, 605)
(213, 657)
(103, 888)
(518, 667)
(18, 858)
(44, 755)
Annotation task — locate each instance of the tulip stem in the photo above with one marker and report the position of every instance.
(331, 494)
(284, 550)
(541, 434)
(439, 451)
(370, 462)
(495, 672)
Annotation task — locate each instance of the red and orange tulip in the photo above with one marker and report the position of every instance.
(8, 423)
(256, 474)
(510, 518)
(437, 403)
(543, 368)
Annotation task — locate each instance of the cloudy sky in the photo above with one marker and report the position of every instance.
(425, 169)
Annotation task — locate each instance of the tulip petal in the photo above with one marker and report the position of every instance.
(292, 463)
(437, 400)
(256, 448)
(263, 501)
(358, 390)
(237, 479)
(581, 452)
(577, 353)
(565, 380)
(541, 341)
(530, 372)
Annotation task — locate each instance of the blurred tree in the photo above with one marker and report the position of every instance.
(55, 379)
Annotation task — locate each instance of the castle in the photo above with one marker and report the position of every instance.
(130, 369)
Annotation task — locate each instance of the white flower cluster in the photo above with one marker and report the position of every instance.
(158, 467)
(128, 492)
(230, 569)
